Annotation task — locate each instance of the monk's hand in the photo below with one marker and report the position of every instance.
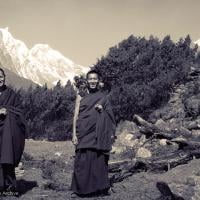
(99, 107)
(3, 111)
(75, 140)
(113, 138)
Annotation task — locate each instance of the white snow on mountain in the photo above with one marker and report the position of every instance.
(197, 42)
(41, 64)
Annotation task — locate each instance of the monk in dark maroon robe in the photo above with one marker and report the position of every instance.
(12, 135)
(94, 128)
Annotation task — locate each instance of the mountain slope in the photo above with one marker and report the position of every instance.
(16, 81)
(197, 42)
(41, 64)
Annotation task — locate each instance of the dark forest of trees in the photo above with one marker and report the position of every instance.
(49, 112)
(140, 72)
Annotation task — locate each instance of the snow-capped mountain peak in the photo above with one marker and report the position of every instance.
(41, 63)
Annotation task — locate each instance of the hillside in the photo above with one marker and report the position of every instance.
(16, 81)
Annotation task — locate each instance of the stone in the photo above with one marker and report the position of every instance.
(163, 142)
(162, 125)
(58, 154)
(126, 139)
(118, 149)
(196, 133)
(143, 153)
(142, 140)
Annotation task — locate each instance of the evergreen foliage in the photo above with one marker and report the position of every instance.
(49, 112)
(143, 72)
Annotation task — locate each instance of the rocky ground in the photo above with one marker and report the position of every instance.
(48, 167)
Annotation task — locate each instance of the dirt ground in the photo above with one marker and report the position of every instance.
(48, 169)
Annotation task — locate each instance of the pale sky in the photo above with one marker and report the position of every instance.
(84, 30)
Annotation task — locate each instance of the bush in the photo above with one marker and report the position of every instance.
(143, 72)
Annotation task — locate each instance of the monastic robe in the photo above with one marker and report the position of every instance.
(12, 128)
(94, 129)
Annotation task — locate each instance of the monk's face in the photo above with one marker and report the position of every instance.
(93, 81)
(2, 79)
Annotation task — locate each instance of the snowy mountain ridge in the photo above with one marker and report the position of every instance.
(41, 64)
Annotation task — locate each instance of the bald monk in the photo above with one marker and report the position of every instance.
(93, 132)
(12, 135)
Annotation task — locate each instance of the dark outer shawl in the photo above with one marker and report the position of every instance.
(94, 129)
(12, 129)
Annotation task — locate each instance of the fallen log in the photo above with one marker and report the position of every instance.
(182, 131)
(120, 177)
(168, 162)
(195, 153)
(156, 165)
(151, 129)
(117, 166)
(164, 135)
(146, 126)
(194, 125)
(162, 163)
(186, 144)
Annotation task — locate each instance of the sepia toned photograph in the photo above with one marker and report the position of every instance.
(100, 99)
